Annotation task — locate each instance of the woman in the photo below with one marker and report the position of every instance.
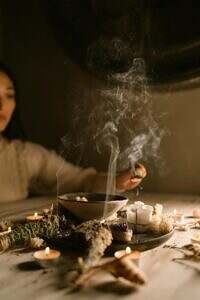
(30, 168)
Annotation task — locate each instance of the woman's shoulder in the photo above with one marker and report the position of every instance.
(34, 155)
(27, 149)
(26, 145)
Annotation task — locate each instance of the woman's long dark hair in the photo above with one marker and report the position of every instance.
(14, 129)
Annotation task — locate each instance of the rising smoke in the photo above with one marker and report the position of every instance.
(122, 121)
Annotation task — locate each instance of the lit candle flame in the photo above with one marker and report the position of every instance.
(175, 211)
(47, 250)
(117, 254)
(35, 214)
(9, 229)
(128, 250)
(120, 253)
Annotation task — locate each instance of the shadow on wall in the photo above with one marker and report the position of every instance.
(51, 86)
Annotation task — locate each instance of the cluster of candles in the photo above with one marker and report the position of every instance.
(137, 213)
(141, 214)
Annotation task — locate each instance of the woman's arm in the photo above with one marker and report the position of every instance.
(50, 173)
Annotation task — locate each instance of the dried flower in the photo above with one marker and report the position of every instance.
(166, 225)
(21, 234)
(36, 243)
(4, 225)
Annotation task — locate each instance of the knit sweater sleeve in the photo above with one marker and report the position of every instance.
(49, 173)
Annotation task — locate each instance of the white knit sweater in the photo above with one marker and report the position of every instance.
(26, 167)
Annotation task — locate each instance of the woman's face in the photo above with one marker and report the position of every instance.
(7, 100)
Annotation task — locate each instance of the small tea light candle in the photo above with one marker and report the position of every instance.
(178, 216)
(144, 214)
(34, 217)
(46, 256)
(6, 231)
(195, 239)
(120, 253)
(196, 213)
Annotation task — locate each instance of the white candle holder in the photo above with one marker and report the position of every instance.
(47, 257)
(34, 217)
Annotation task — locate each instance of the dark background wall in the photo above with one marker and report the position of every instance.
(40, 67)
(51, 85)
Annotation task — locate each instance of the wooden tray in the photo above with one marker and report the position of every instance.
(142, 242)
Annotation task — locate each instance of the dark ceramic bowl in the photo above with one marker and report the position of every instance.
(96, 207)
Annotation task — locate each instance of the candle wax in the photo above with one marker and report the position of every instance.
(47, 254)
(34, 217)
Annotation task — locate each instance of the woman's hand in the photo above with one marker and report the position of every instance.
(128, 181)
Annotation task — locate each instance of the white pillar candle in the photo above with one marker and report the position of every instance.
(131, 216)
(144, 214)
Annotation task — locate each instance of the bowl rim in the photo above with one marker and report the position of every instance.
(60, 197)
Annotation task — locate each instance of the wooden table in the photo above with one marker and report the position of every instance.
(20, 279)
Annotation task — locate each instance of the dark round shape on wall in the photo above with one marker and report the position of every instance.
(104, 36)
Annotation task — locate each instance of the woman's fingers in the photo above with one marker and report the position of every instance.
(140, 171)
(128, 180)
